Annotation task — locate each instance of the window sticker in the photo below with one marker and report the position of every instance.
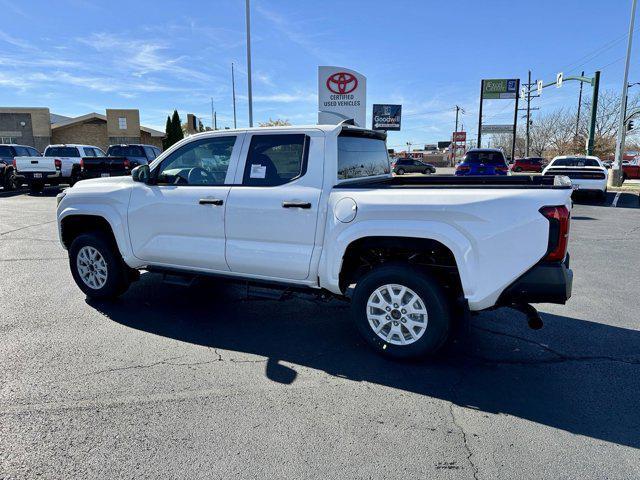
(258, 171)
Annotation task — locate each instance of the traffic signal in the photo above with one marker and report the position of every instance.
(630, 125)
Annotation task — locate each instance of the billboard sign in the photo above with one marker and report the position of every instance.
(497, 128)
(459, 136)
(499, 88)
(342, 95)
(386, 117)
(443, 145)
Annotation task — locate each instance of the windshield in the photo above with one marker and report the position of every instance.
(486, 157)
(62, 152)
(575, 162)
(361, 157)
(126, 151)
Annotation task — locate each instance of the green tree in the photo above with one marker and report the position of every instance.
(176, 127)
(167, 136)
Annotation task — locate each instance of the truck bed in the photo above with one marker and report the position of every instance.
(452, 181)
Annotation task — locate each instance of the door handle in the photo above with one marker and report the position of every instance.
(210, 201)
(286, 204)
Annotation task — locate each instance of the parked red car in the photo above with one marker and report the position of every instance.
(631, 169)
(529, 164)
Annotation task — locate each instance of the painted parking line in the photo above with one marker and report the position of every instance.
(615, 200)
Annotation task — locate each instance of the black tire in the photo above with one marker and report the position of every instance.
(117, 272)
(11, 182)
(400, 171)
(427, 172)
(624, 177)
(431, 294)
(36, 187)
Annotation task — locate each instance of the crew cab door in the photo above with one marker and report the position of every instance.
(179, 220)
(272, 209)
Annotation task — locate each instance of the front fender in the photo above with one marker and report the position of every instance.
(336, 245)
(111, 214)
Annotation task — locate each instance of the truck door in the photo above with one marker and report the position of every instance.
(272, 209)
(179, 221)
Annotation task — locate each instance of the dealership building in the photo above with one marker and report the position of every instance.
(38, 127)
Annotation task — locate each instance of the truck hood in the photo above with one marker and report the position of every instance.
(101, 186)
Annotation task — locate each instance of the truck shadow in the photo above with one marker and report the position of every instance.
(574, 375)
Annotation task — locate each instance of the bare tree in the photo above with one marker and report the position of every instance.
(275, 123)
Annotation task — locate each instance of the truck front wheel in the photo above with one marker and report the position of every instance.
(97, 267)
(401, 311)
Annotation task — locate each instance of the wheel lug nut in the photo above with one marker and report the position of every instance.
(388, 317)
(388, 309)
(404, 311)
(404, 320)
(395, 323)
(395, 305)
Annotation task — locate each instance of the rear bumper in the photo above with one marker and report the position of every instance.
(544, 283)
(41, 177)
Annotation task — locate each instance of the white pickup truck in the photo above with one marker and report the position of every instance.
(317, 208)
(60, 164)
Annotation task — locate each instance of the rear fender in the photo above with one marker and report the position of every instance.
(462, 247)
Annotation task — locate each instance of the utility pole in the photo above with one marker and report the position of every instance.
(616, 178)
(248, 14)
(212, 113)
(594, 110)
(526, 146)
(409, 148)
(579, 107)
(455, 143)
(233, 88)
(480, 115)
(215, 120)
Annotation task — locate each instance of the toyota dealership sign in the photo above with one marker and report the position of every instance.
(342, 95)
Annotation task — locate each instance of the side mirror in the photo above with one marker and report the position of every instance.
(141, 174)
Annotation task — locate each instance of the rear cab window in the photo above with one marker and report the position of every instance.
(6, 151)
(486, 157)
(61, 152)
(362, 153)
(126, 151)
(575, 162)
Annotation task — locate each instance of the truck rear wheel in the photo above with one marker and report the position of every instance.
(401, 311)
(97, 267)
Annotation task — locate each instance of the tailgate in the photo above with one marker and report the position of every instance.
(107, 165)
(35, 164)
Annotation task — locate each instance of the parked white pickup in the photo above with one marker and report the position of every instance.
(60, 164)
(317, 208)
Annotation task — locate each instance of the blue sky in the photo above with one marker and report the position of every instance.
(76, 56)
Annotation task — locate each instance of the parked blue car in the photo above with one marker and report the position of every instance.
(483, 161)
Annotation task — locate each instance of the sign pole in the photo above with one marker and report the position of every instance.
(515, 121)
(594, 112)
(479, 145)
(249, 93)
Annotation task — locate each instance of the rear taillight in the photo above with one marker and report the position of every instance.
(82, 164)
(463, 168)
(58, 163)
(558, 232)
(502, 169)
(14, 164)
(126, 164)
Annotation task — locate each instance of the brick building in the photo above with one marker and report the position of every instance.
(38, 128)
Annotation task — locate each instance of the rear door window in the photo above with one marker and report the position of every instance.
(151, 154)
(21, 152)
(275, 159)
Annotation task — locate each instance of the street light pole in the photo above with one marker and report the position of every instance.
(616, 178)
(233, 88)
(248, 14)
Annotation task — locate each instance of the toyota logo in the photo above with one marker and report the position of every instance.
(342, 83)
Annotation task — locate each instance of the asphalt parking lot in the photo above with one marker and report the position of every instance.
(201, 382)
